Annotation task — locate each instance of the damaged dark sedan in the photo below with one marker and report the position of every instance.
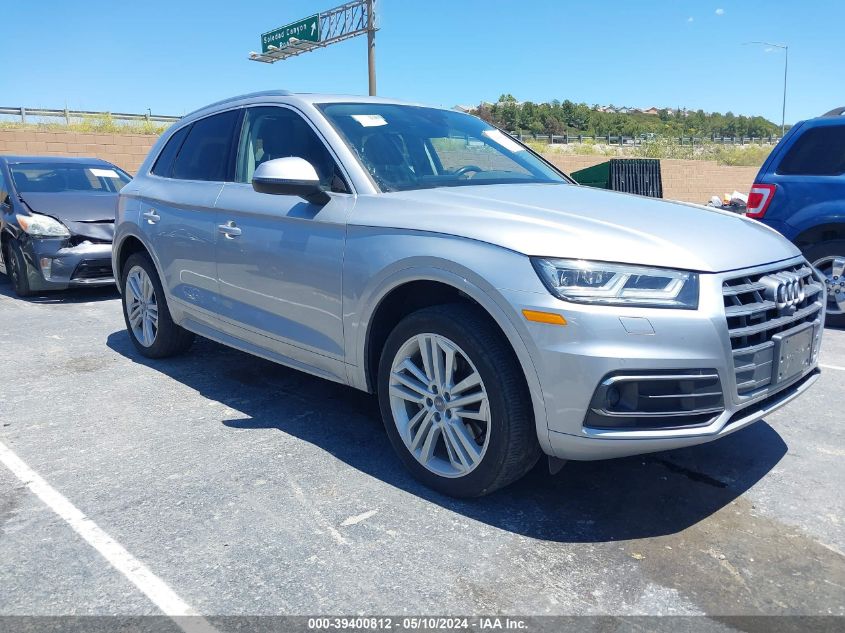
(57, 221)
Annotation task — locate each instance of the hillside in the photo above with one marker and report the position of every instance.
(566, 117)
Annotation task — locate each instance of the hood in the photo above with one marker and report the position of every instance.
(583, 223)
(85, 213)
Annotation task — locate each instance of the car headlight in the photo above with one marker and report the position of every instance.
(618, 284)
(38, 225)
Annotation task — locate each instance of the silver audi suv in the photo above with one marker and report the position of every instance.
(499, 311)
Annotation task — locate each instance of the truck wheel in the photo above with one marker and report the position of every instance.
(145, 311)
(16, 269)
(454, 402)
(829, 258)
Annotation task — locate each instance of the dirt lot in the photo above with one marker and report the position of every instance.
(248, 488)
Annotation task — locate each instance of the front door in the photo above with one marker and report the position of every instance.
(279, 257)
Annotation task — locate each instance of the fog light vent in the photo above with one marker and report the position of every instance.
(656, 400)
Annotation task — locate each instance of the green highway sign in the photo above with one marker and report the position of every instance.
(307, 30)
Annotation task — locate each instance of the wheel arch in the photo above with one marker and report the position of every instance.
(823, 232)
(435, 286)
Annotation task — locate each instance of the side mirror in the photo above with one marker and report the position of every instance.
(291, 176)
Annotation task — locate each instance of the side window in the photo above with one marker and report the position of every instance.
(206, 151)
(274, 132)
(819, 151)
(164, 163)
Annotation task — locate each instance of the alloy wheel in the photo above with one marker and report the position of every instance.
(833, 269)
(439, 405)
(141, 306)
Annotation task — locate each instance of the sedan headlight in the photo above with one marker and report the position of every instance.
(618, 284)
(38, 225)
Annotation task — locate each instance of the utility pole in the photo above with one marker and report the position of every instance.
(785, 68)
(371, 45)
(785, 49)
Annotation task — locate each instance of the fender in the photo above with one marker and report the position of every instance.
(466, 281)
(126, 230)
(824, 213)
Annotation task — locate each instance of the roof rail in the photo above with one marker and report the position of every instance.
(835, 112)
(261, 93)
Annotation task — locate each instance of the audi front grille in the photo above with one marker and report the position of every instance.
(760, 306)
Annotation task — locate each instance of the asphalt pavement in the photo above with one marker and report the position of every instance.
(249, 488)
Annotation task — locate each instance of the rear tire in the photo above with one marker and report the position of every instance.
(829, 258)
(145, 311)
(468, 433)
(16, 269)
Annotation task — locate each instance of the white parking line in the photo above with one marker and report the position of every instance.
(151, 585)
(836, 367)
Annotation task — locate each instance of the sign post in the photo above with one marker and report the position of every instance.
(353, 18)
(371, 46)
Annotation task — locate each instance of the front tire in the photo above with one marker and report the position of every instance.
(145, 311)
(829, 258)
(16, 269)
(454, 402)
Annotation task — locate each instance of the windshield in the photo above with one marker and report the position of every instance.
(409, 147)
(61, 177)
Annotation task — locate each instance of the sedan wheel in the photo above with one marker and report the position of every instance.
(141, 306)
(833, 269)
(16, 270)
(440, 405)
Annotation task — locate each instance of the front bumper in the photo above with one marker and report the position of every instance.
(58, 264)
(574, 360)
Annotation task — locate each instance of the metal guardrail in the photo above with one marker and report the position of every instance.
(68, 115)
(611, 139)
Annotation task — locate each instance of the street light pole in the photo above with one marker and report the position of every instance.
(371, 45)
(785, 49)
(785, 68)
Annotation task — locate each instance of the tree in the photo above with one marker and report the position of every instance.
(558, 117)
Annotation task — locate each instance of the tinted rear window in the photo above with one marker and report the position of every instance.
(820, 151)
(206, 152)
(164, 163)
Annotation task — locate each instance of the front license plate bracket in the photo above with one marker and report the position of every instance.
(793, 353)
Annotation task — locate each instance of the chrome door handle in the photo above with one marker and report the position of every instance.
(230, 230)
(152, 216)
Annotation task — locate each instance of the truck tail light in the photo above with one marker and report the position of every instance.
(759, 200)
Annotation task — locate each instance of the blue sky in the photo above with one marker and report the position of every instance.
(178, 55)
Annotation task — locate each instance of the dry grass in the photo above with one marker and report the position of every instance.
(100, 123)
(734, 155)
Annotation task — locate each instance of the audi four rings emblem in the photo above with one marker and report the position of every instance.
(785, 289)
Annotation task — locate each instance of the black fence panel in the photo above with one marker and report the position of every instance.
(636, 175)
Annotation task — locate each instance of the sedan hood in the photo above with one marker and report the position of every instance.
(87, 214)
(582, 223)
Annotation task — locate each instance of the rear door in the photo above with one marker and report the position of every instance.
(177, 213)
(279, 257)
